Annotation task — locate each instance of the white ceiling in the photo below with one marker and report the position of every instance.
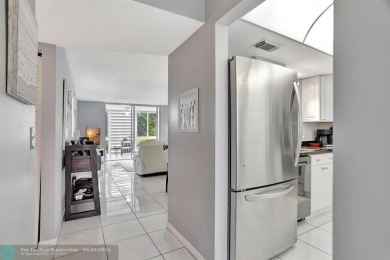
(113, 25)
(119, 77)
(307, 21)
(306, 60)
(117, 49)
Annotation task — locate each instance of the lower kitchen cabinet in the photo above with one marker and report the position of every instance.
(321, 182)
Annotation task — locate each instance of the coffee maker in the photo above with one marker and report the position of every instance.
(325, 136)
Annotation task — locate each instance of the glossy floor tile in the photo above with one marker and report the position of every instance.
(79, 225)
(122, 230)
(327, 227)
(148, 210)
(303, 251)
(318, 238)
(96, 255)
(116, 216)
(164, 204)
(180, 254)
(154, 222)
(318, 220)
(136, 200)
(314, 239)
(163, 196)
(303, 227)
(140, 247)
(135, 215)
(92, 236)
(113, 205)
(165, 241)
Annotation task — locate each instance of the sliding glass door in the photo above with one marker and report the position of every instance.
(130, 125)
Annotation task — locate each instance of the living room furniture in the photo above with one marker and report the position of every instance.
(81, 163)
(115, 150)
(165, 147)
(126, 146)
(150, 158)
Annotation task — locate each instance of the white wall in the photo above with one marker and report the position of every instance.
(54, 70)
(361, 205)
(309, 130)
(19, 180)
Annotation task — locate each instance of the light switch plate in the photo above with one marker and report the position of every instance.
(32, 138)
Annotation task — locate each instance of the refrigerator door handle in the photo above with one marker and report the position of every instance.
(299, 142)
(270, 194)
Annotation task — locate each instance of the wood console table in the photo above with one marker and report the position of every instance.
(81, 164)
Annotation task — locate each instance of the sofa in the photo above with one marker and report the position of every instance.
(150, 158)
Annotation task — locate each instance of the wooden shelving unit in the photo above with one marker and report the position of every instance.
(81, 164)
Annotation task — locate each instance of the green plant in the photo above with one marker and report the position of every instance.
(106, 146)
(140, 141)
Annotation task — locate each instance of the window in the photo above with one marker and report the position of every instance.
(146, 124)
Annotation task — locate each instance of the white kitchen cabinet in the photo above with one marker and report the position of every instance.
(311, 99)
(327, 180)
(317, 99)
(321, 181)
(327, 98)
(316, 189)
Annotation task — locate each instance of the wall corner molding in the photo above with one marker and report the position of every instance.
(185, 243)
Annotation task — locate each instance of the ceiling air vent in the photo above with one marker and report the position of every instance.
(267, 46)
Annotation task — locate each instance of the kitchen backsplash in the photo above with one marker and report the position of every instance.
(309, 130)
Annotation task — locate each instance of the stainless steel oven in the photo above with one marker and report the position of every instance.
(304, 187)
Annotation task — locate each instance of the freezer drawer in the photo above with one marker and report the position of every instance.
(263, 221)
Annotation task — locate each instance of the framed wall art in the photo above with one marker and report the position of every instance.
(22, 51)
(189, 111)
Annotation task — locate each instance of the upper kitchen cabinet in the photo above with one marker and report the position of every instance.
(317, 99)
(327, 98)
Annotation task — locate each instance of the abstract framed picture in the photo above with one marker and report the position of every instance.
(189, 111)
(22, 51)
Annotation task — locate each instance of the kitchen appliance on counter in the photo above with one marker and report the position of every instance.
(325, 136)
(304, 187)
(265, 143)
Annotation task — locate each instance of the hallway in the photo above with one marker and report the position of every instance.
(134, 217)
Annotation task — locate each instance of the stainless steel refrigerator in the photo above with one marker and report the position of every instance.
(265, 131)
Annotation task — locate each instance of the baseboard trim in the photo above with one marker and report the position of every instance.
(185, 243)
(52, 242)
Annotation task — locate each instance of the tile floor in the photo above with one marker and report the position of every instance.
(134, 217)
(135, 214)
(314, 240)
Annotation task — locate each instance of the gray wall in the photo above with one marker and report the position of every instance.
(164, 123)
(92, 114)
(18, 186)
(54, 70)
(198, 162)
(361, 130)
(192, 155)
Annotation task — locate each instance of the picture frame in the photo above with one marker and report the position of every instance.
(67, 120)
(22, 51)
(189, 111)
